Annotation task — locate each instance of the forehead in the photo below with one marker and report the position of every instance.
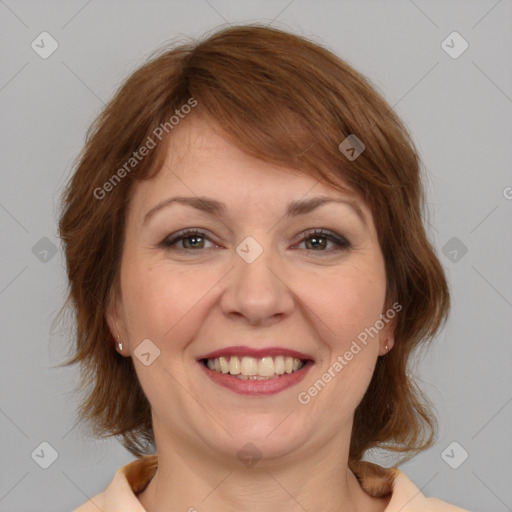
(200, 150)
(200, 161)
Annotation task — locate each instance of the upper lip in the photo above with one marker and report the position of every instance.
(257, 353)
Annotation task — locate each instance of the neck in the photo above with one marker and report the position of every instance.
(191, 481)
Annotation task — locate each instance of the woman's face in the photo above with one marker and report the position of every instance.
(256, 289)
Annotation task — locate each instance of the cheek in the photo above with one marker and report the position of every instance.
(162, 301)
(344, 303)
(346, 306)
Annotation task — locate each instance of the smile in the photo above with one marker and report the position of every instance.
(256, 372)
(251, 368)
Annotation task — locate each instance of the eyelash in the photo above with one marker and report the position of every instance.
(342, 243)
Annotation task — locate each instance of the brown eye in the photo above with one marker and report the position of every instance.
(191, 240)
(319, 239)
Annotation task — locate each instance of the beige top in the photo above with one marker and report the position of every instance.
(120, 495)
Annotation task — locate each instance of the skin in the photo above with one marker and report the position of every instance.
(294, 295)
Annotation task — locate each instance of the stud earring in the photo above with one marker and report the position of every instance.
(120, 344)
(386, 347)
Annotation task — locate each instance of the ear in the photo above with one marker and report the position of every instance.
(385, 341)
(114, 317)
(387, 334)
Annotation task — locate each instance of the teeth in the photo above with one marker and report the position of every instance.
(250, 368)
(224, 365)
(266, 367)
(234, 365)
(279, 365)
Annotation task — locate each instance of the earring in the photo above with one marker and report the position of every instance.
(386, 347)
(120, 344)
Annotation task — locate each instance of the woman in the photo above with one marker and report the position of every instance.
(251, 274)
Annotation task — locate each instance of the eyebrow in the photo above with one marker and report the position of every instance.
(217, 208)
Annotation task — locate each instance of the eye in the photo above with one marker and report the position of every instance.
(319, 239)
(191, 237)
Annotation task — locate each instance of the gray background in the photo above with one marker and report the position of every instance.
(459, 112)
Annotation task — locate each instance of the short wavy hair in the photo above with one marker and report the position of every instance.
(286, 100)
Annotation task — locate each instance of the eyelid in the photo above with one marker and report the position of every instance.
(340, 241)
(172, 239)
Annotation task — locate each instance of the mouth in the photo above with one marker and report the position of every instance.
(256, 372)
(251, 368)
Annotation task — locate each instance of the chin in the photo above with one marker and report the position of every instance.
(258, 438)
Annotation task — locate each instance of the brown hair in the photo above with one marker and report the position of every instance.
(288, 101)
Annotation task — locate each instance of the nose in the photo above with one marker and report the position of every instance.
(257, 292)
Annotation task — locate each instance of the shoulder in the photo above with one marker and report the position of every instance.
(408, 498)
(93, 505)
(404, 496)
(120, 495)
(375, 480)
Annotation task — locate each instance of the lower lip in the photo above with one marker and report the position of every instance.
(257, 387)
